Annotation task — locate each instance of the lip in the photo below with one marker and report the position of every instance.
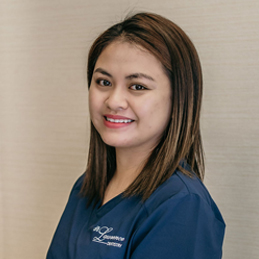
(116, 125)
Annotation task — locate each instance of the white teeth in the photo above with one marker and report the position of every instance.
(118, 121)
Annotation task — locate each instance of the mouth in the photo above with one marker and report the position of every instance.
(118, 120)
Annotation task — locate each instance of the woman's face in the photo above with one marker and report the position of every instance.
(129, 97)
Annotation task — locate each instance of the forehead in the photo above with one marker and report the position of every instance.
(121, 55)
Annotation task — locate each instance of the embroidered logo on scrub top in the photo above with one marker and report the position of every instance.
(106, 239)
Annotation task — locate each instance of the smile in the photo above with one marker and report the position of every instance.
(117, 120)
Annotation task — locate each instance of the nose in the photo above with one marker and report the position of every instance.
(116, 99)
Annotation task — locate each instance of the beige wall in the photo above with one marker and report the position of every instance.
(44, 115)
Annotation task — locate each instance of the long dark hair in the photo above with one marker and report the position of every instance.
(181, 139)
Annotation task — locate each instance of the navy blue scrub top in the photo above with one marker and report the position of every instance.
(179, 221)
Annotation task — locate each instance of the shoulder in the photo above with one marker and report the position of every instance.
(183, 191)
(182, 219)
(177, 186)
(77, 185)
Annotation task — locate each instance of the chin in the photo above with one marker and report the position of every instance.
(116, 143)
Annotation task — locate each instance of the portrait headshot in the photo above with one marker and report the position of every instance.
(129, 129)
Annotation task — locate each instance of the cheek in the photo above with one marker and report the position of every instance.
(158, 114)
(159, 108)
(94, 101)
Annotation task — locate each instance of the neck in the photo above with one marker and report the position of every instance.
(129, 164)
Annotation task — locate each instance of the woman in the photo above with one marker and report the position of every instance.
(141, 195)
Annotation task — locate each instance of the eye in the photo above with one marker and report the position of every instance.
(138, 87)
(103, 82)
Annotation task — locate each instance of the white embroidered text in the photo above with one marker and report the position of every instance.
(108, 240)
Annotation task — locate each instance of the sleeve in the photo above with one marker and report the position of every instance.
(60, 241)
(186, 227)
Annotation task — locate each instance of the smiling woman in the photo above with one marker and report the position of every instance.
(142, 194)
(129, 93)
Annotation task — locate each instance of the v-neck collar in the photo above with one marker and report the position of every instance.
(108, 206)
(99, 211)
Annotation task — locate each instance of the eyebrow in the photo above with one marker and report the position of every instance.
(102, 71)
(135, 75)
(139, 75)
